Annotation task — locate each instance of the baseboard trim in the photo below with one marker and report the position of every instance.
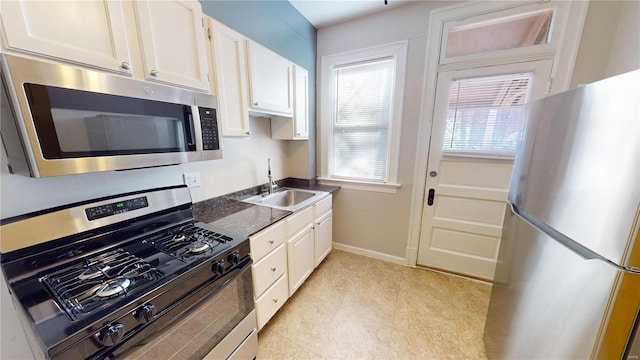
(370, 253)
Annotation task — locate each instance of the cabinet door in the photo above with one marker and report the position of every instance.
(301, 258)
(52, 28)
(172, 40)
(301, 103)
(266, 271)
(286, 128)
(270, 81)
(271, 301)
(229, 62)
(323, 229)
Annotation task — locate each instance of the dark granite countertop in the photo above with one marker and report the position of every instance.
(227, 212)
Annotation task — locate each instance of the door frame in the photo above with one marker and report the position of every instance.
(571, 15)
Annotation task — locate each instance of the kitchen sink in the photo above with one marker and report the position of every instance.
(287, 198)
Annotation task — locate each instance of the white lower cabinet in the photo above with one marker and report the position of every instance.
(300, 252)
(323, 229)
(271, 301)
(285, 255)
(269, 271)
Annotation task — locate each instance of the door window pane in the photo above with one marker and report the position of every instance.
(500, 34)
(486, 114)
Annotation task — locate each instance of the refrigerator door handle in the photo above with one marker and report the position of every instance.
(571, 244)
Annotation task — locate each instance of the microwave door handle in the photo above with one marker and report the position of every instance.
(191, 137)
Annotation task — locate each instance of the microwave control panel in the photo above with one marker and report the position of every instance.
(209, 125)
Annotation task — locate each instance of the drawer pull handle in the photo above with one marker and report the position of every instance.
(275, 301)
(273, 269)
(271, 242)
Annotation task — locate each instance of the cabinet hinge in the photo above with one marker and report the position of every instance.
(548, 90)
(209, 33)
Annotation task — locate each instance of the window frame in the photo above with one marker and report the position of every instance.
(559, 16)
(396, 51)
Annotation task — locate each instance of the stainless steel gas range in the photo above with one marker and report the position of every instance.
(124, 276)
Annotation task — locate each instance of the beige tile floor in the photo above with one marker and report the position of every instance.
(355, 307)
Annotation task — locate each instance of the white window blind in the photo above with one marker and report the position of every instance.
(486, 114)
(362, 119)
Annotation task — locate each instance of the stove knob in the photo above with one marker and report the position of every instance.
(234, 258)
(145, 313)
(218, 267)
(111, 335)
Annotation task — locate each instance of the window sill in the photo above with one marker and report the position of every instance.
(362, 185)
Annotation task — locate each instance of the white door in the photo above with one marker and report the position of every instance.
(476, 124)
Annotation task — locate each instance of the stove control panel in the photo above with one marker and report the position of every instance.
(99, 212)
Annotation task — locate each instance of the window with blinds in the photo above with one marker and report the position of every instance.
(363, 112)
(486, 114)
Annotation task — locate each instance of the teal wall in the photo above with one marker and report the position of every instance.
(277, 25)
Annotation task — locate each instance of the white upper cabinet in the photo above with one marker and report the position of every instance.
(229, 64)
(172, 40)
(87, 32)
(284, 128)
(270, 81)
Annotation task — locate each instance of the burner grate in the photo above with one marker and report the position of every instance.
(188, 240)
(86, 286)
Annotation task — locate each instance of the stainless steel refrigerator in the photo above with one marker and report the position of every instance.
(567, 282)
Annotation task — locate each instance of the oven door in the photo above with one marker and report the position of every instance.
(218, 314)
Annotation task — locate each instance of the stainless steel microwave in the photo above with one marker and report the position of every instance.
(61, 120)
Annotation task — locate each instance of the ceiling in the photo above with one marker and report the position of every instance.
(321, 13)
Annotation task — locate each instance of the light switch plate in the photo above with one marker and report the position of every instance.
(192, 179)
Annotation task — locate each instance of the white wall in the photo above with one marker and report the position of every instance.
(625, 49)
(610, 43)
(371, 221)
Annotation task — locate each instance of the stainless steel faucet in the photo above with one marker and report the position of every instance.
(272, 185)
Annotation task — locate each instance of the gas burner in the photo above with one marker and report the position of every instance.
(198, 247)
(187, 242)
(88, 285)
(113, 287)
(178, 237)
(94, 272)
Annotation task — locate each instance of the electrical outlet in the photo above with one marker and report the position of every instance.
(192, 179)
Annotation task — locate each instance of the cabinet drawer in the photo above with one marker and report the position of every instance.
(322, 206)
(271, 301)
(299, 220)
(267, 240)
(268, 270)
